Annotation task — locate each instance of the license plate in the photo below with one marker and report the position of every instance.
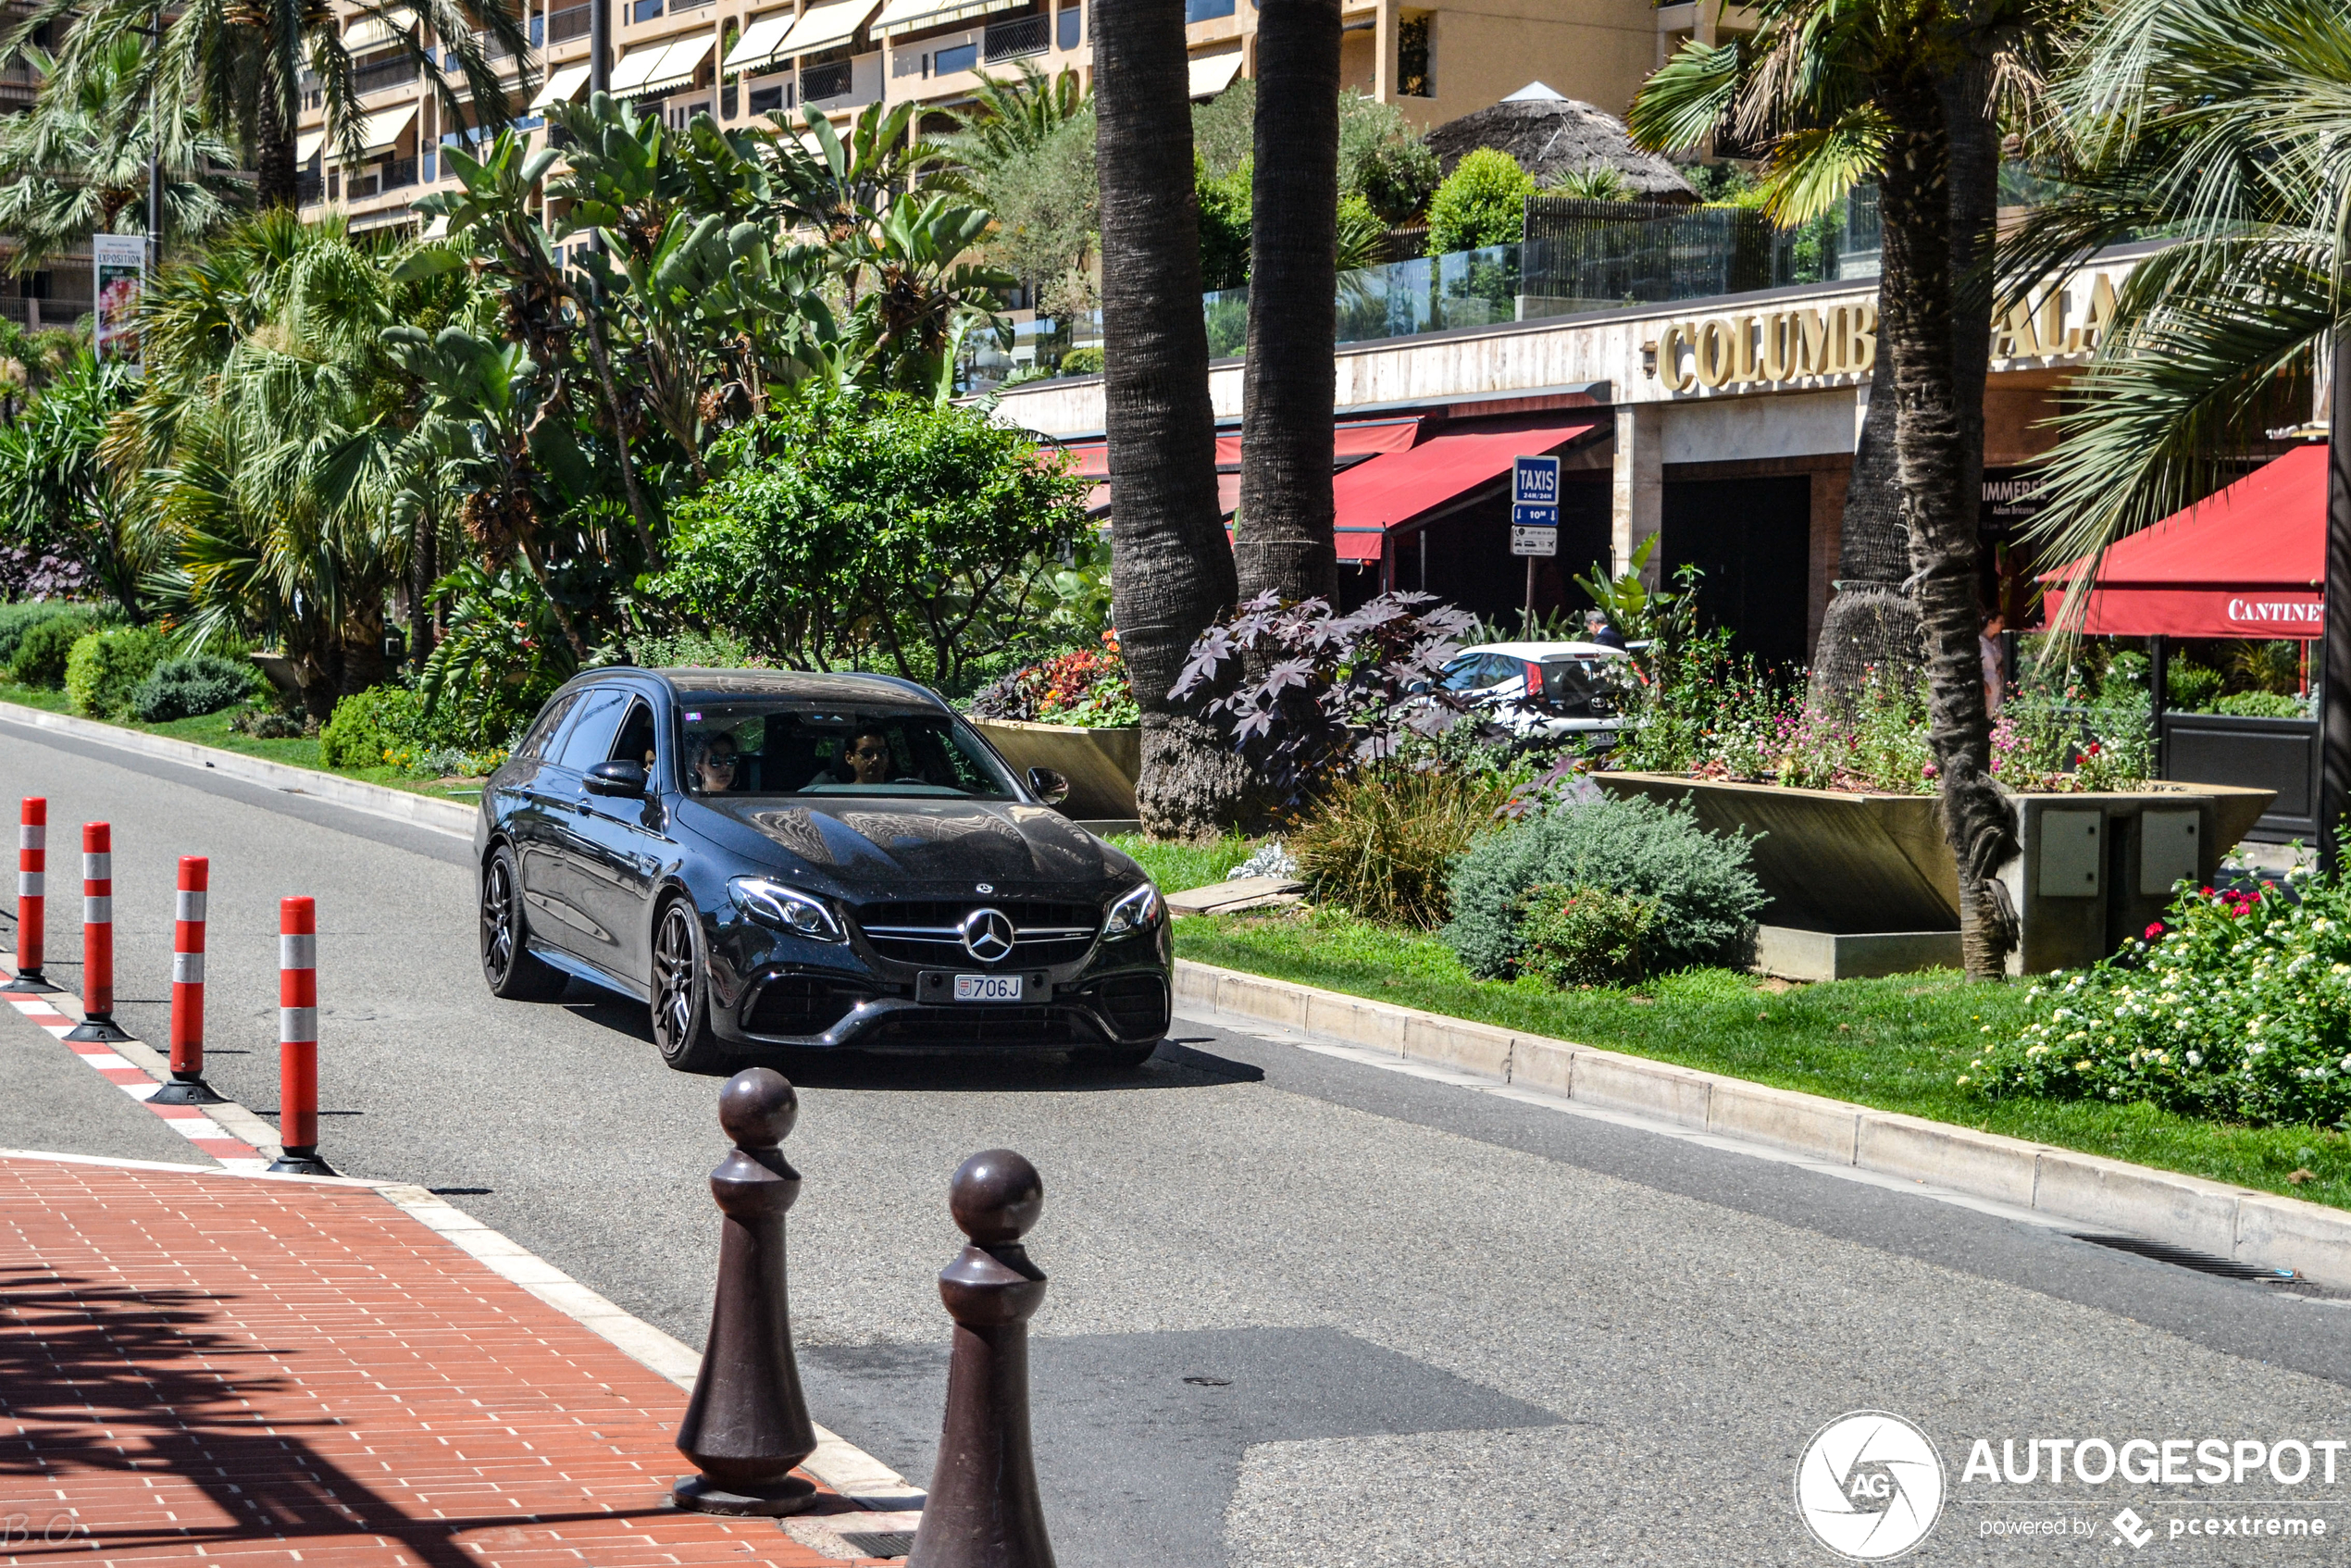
(988, 987)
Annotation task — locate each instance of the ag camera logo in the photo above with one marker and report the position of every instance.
(1870, 1486)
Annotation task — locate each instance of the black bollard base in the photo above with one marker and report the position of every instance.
(301, 1162)
(98, 1026)
(27, 982)
(700, 1494)
(190, 1090)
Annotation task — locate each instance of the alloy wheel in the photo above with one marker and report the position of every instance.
(673, 979)
(497, 923)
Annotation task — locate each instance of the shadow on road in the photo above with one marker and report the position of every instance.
(982, 1070)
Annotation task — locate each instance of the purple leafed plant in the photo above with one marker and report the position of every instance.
(1338, 691)
(29, 574)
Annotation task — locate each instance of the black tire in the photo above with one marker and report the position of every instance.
(513, 972)
(1122, 1058)
(681, 994)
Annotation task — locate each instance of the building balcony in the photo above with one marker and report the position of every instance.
(567, 24)
(384, 74)
(1022, 35)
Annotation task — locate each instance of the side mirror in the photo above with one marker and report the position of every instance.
(623, 778)
(1047, 786)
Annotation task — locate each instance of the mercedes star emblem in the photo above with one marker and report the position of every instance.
(988, 886)
(987, 935)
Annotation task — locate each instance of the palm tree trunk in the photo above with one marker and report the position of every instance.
(1175, 571)
(1282, 537)
(1871, 624)
(1920, 327)
(273, 151)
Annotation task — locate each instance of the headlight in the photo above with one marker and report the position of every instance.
(781, 906)
(1138, 911)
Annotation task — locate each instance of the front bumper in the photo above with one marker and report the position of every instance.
(774, 989)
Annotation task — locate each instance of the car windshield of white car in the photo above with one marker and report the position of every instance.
(750, 748)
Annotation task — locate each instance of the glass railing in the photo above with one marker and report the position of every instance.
(1579, 257)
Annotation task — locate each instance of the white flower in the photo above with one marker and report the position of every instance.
(2195, 1058)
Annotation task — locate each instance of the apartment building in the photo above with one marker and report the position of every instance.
(739, 61)
(57, 292)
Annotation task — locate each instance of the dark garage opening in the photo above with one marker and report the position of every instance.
(1752, 539)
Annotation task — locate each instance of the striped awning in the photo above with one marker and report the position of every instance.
(1213, 73)
(912, 16)
(564, 87)
(374, 32)
(678, 64)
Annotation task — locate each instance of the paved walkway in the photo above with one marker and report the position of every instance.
(207, 1368)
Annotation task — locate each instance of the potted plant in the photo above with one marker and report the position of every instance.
(1074, 713)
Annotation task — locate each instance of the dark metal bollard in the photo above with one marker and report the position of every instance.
(983, 1510)
(747, 1425)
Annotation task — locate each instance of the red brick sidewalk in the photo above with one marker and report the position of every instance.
(214, 1368)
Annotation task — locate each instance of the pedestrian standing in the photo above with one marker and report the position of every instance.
(1596, 629)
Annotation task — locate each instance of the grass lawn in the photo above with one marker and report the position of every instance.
(211, 729)
(1894, 1044)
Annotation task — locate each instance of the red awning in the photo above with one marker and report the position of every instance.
(1392, 489)
(2248, 561)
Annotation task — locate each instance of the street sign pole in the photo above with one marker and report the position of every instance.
(1535, 518)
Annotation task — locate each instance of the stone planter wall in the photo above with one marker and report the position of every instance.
(2094, 870)
(1100, 764)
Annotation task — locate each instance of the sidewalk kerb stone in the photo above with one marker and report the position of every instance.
(2093, 1193)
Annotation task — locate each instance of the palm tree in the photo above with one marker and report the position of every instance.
(1840, 90)
(1175, 572)
(1282, 533)
(1010, 120)
(242, 66)
(77, 163)
(2229, 128)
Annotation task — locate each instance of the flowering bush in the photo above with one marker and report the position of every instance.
(1085, 687)
(2236, 1005)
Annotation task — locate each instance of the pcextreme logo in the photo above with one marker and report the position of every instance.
(1870, 1486)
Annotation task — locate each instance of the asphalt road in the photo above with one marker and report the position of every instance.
(1303, 1311)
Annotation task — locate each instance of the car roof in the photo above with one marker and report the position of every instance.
(1538, 652)
(719, 685)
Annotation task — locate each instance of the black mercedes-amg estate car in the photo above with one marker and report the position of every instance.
(809, 860)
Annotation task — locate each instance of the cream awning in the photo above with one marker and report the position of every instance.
(630, 71)
(382, 131)
(1213, 73)
(679, 63)
(908, 16)
(759, 45)
(374, 32)
(564, 87)
(306, 146)
(822, 27)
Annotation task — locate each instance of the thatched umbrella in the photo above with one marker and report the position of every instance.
(1553, 137)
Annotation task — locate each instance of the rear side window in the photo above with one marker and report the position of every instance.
(551, 719)
(590, 738)
(636, 742)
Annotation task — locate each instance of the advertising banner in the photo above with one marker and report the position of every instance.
(121, 261)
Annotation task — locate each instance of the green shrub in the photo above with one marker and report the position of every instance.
(1483, 202)
(371, 728)
(694, 650)
(104, 669)
(1396, 176)
(1586, 936)
(1081, 362)
(1381, 842)
(2234, 1005)
(39, 657)
(19, 618)
(2191, 686)
(191, 685)
(1707, 897)
(2262, 704)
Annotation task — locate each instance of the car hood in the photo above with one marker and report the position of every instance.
(868, 844)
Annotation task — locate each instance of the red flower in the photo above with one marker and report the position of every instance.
(2155, 930)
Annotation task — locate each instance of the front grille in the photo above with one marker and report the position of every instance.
(797, 1005)
(980, 1026)
(1135, 1005)
(928, 931)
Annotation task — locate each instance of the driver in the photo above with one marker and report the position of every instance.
(715, 769)
(868, 758)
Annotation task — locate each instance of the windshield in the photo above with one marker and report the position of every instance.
(772, 748)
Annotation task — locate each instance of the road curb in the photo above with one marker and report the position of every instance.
(378, 800)
(2231, 1222)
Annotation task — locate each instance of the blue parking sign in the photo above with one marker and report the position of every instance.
(1535, 481)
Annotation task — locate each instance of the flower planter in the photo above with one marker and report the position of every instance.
(1100, 764)
(2092, 874)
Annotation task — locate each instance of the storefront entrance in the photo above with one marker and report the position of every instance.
(1752, 539)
